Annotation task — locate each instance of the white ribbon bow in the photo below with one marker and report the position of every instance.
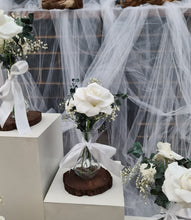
(102, 153)
(173, 213)
(11, 96)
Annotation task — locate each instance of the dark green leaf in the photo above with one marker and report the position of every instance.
(151, 156)
(117, 102)
(31, 17)
(148, 166)
(27, 29)
(124, 96)
(136, 150)
(26, 20)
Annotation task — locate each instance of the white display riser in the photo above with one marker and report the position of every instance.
(60, 205)
(28, 164)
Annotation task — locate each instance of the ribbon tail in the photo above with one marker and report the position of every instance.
(157, 217)
(20, 110)
(102, 155)
(184, 213)
(7, 102)
(5, 110)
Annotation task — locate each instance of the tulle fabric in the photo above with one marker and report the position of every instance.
(144, 51)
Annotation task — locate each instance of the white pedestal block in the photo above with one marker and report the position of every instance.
(28, 164)
(60, 205)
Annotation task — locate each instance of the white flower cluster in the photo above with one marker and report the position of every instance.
(164, 151)
(177, 184)
(8, 27)
(8, 30)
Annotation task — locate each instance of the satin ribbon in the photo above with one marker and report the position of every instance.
(11, 95)
(102, 153)
(175, 212)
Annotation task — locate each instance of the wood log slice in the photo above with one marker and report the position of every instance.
(62, 4)
(127, 3)
(77, 186)
(34, 117)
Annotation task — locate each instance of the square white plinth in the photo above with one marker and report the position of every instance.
(28, 164)
(60, 205)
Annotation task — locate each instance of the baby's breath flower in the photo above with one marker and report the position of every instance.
(94, 80)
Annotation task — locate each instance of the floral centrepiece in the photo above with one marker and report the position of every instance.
(86, 106)
(17, 41)
(165, 175)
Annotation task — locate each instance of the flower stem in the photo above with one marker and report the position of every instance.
(165, 163)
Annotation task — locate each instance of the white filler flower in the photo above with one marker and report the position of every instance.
(164, 151)
(177, 183)
(69, 105)
(8, 27)
(93, 99)
(147, 173)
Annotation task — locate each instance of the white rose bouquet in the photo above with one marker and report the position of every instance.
(166, 175)
(85, 106)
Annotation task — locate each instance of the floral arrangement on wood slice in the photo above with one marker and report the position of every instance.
(166, 175)
(17, 41)
(86, 106)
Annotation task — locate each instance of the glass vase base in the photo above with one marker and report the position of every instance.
(87, 166)
(86, 173)
(77, 186)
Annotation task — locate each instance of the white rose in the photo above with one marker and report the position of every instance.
(177, 183)
(2, 218)
(147, 173)
(93, 99)
(69, 105)
(164, 151)
(8, 27)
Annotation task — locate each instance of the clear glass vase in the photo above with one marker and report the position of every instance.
(87, 166)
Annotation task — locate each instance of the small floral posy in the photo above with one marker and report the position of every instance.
(87, 105)
(166, 175)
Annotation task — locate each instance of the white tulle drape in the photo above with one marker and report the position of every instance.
(144, 51)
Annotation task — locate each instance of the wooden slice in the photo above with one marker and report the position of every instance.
(62, 4)
(79, 187)
(34, 117)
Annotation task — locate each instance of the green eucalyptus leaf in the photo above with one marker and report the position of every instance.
(151, 156)
(124, 96)
(136, 150)
(162, 200)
